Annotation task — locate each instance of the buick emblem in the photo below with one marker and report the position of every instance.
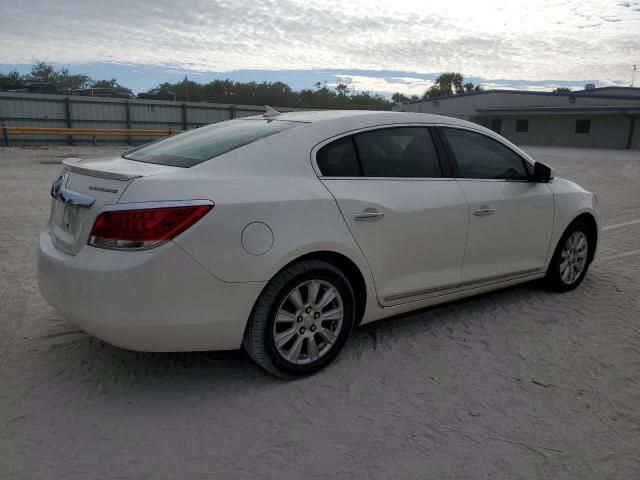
(59, 191)
(60, 182)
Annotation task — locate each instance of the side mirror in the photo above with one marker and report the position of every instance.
(542, 173)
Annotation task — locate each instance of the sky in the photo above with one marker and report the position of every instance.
(383, 46)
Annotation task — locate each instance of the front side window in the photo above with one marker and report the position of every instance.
(478, 156)
(406, 152)
(201, 144)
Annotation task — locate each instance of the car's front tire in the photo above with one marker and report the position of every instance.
(301, 320)
(571, 258)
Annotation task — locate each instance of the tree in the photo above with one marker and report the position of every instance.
(446, 84)
(344, 86)
(43, 72)
(11, 80)
(342, 89)
(113, 84)
(277, 94)
(469, 87)
(450, 83)
(46, 73)
(400, 98)
(67, 82)
(218, 91)
(562, 90)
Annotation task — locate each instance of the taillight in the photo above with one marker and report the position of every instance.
(124, 228)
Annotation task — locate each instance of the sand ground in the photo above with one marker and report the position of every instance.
(517, 384)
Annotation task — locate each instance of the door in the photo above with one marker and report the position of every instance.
(510, 216)
(496, 125)
(409, 221)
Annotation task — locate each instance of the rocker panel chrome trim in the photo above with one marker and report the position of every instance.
(454, 288)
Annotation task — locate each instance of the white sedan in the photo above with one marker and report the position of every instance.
(280, 233)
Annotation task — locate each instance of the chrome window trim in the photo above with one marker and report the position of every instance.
(348, 133)
(387, 179)
(465, 179)
(454, 288)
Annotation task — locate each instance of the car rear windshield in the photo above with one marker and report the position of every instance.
(204, 143)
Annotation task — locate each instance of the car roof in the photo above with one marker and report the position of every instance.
(318, 127)
(324, 124)
(365, 117)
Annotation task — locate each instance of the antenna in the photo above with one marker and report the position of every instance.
(633, 75)
(270, 112)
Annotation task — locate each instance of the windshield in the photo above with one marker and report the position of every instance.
(204, 143)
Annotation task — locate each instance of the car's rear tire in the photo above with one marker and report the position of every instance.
(301, 320)
(572, 258)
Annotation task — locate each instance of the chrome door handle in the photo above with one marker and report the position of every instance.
(484, 212)
(368, 216)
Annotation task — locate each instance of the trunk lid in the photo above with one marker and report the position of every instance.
(83, 188)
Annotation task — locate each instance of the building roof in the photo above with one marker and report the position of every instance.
(579, 109)
(578, 93)
(632, 90)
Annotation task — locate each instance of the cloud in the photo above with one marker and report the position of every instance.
(382, 84)
(492, 39)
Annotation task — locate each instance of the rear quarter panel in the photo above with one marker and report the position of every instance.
(268, 181)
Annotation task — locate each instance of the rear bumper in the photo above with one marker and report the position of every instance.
(155, 300)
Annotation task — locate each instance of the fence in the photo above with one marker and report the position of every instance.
(58, 111)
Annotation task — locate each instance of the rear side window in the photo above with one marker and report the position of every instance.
(196, 146)
(338, 159)
(406, 152)
(479, 156)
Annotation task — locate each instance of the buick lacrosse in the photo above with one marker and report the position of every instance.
(280, 233)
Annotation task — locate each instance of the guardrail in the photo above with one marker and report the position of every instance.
(30, 110)
(91, 132)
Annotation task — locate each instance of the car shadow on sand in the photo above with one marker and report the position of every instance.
(97, 366)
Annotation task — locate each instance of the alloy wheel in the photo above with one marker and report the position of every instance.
(308, 322)
(573, 257)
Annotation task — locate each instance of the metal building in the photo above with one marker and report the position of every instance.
(606, 117)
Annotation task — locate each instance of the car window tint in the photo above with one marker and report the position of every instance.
(479, 156)
(338, 159)
(204, 143)
(398, 152)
